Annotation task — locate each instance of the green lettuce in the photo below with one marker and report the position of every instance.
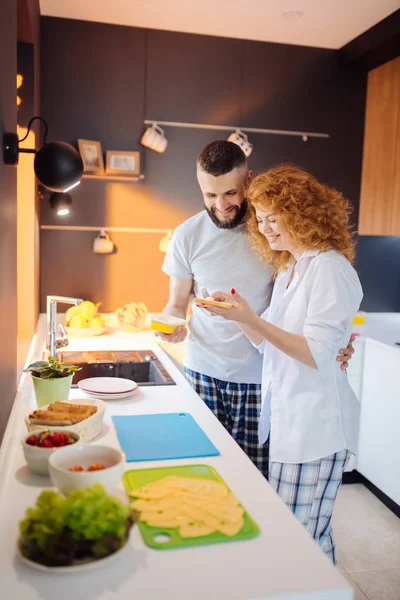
(86, 525)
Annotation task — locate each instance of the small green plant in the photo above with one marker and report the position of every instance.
(51, 369)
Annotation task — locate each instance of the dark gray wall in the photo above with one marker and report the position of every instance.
(100, 81)
(378, 265)
(8, 212)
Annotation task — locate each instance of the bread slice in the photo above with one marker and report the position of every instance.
(56, 415)
(206, 302)
(46, 417)
(75, 409)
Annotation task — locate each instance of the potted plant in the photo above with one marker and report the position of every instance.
(52, 380)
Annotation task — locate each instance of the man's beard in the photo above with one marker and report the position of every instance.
(239, 214)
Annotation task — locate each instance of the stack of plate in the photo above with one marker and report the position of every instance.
(108, 388)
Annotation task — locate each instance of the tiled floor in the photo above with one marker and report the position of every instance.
(368, 542)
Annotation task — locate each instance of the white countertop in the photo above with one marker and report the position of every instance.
(383, 328)
(283, 562)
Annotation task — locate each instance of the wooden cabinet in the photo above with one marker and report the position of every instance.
(380, 183)
(379, 443)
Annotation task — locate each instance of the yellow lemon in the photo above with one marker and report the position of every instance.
(87, 310)
(71, 312)
(78, 322)
(96, 322)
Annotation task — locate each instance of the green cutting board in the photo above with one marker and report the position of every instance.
(166, 538)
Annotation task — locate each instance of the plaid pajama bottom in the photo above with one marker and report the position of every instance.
(309, 490)
(237, 406)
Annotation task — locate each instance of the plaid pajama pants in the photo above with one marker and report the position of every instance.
(237, 406)
(309, 490)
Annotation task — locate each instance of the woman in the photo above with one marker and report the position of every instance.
(301, 228)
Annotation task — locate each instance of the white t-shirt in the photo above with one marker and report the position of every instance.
(311, 413)
(219, 259)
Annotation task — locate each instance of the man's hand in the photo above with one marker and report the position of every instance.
(178, 336)
(345, 354)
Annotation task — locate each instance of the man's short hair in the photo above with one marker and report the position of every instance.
(221, 157)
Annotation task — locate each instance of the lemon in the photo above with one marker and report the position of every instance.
(87, 310)
(71, 312)
(96, 322)
(78, 322)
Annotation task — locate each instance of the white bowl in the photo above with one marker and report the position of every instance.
(84, 455)
(84, 331)
(37, 458)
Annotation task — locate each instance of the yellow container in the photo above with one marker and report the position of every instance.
(359, 319)
(166, 323)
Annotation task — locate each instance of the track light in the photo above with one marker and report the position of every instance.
(241, 139)
(58, 166)
(61, 203)
(154, 139)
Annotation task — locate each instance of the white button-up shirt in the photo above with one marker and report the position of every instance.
(311, 413)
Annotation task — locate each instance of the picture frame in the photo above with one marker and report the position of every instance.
(122, 162)
(92, 156)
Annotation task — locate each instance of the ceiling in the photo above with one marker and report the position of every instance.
(323, 24)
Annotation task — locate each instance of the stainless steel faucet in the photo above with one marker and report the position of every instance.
(54, 342)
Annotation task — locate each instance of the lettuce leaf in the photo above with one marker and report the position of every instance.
(87, 524)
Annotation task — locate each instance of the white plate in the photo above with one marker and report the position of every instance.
(73, 568)
(105, 397)
(84, 331)
(107, 385)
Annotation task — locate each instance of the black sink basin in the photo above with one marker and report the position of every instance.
(142, 366)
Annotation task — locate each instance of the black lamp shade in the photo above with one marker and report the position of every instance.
(60, 202)
(58, 166)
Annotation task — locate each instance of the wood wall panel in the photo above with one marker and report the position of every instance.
(381, 140)
(395, 224)
(8, 213)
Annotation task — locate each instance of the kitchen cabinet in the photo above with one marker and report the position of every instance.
(380, 181)
(355, 377)
(379, 443)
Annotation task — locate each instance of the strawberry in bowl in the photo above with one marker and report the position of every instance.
(38, 446)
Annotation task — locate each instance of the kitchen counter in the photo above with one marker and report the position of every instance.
(282, 562)
(383, 328)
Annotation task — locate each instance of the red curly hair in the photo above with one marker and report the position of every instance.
(315, 215)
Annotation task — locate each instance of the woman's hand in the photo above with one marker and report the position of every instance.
(241, 311)
(177, 337)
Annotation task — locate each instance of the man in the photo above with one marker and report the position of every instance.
(211, 251)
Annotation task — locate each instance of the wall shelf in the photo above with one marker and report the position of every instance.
(105, 177)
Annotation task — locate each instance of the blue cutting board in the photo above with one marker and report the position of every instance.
(162, 437)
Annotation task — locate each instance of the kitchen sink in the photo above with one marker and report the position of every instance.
(140, 365)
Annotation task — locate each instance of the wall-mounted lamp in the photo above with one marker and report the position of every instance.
(103, 244)
(164, 243)
(241, 139)
(58, 166)
(61, 203)
(154, 139)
